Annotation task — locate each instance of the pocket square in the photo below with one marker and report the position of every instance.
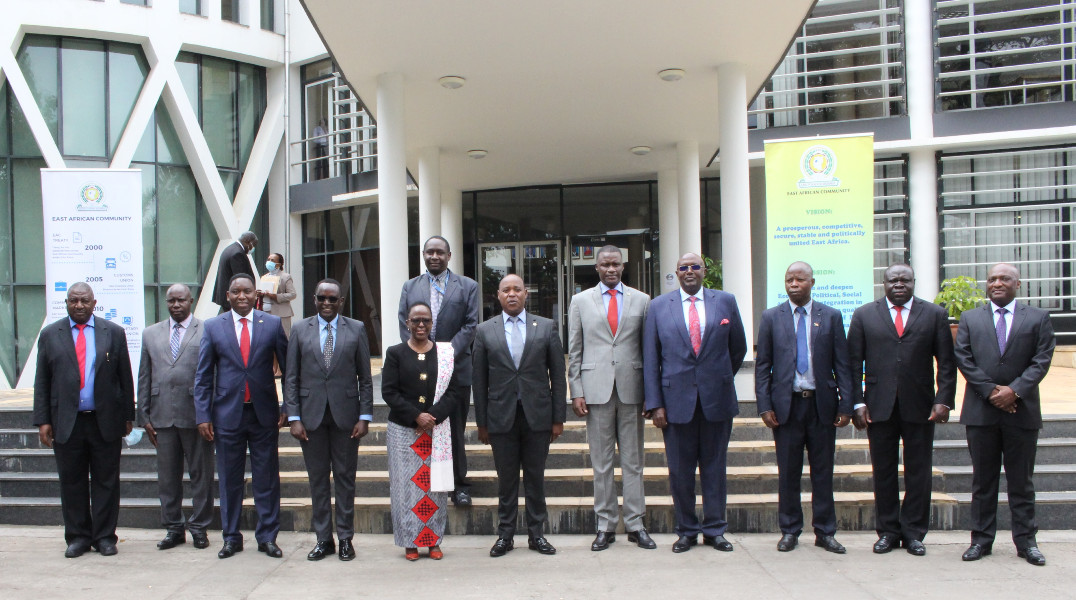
(724, 321)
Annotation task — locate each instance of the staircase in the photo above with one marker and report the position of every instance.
(29, 485)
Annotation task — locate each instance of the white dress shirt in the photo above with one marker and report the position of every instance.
(239, 326)
(1011, 307)
(700, 307)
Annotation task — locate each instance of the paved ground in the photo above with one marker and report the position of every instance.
(33, 566)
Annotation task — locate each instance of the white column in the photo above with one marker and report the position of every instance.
(735, 190)
(392, 201)
(669, 229)
(452, 227)
(923, 244)
(690, 204)
(429, 193)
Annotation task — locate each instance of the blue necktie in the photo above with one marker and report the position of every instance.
(801, 340)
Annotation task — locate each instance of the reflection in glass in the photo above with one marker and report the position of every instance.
(7, 332)
(187, 65)
(5, 225)
(126, 74)
(29, 317)
(29, 246)
(176, 223)
(218, 109)
(169, 150)
(38, 59)
(83, 97)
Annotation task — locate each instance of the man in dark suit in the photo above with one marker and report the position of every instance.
(1004, 350)
(330, 401)
(233, 261)
(83, 406)
(453, 300)
(896, 341)
(693, 345)
(166, 411)
(236, 405)
(520, 401)
(803, 391)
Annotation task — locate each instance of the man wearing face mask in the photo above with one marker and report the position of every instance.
(277, 290)
(233, 261)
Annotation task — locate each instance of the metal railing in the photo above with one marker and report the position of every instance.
(350, 140)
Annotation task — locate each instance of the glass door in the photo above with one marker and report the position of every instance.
(540, 266)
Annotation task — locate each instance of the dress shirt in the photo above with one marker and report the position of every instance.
(1011, 307)
(322, 334)
(509, 328)
(904, 313)
(606, 297)
(806, 380)
(700, 307)
(85, 395)
(239, 326)
(185, 324)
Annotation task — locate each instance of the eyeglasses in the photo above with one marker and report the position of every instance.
(329, 299)
(420, 321)
(686, 268)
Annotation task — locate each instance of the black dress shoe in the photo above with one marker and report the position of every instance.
(1032, 555)
(501, 547)
(320, 551)
(975, 552)
(541, 546)
(684, 543)
(642, 539)
(602, 540)
(915, 548)
(886, 543)
(171, 540)
(230, 549)
(199, 540)
(347, 550)
(787, 543)
(461, 498)
(829, 544)
(270, 549)
(76, 549)
(106, 548)
(718, 542)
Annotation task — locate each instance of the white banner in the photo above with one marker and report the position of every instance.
(93, 233)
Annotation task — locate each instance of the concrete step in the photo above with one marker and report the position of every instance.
(1051, 451)
(1053, 510)
(1048, 478)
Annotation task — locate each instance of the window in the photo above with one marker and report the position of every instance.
(190, 7)
(890, 216)
(339, 137)
(229, 10)
(268, 13)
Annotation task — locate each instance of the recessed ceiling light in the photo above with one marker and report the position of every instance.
(476, 153)
(452, 82)
(671, 74)
(640, 150)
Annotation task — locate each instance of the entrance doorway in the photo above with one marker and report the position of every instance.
(539, 264)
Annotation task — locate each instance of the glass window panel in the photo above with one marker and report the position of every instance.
(146, 150)
(260, 225)
(190, 7)
(364, 227)
(126, 74)
(231, 182)
(151, 304)
(251, 109)
(218, 109)
(7, 332)
(313, 233)
(609, 214)
(313, 272)
(5, 147)
(366, 293)
(149, 222)
(135, 2)
(187, 65)
(5, 224)
(267, 15)
(229, 10)
(519, 215)
(207, 239)
(83, 97)
(29, 317)
(38, 60)
(177, 223)
(169, 150)
(29, 246)
(317, 70)
(339, 230)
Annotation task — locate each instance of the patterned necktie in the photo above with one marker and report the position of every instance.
(80, 352)
(244, 349)
(694, 327)
(1001, 330)
(614, 311)
(801, 340)
(177, 335)
(327, 349)
(437, 295)
(517, 340)
(900, 320)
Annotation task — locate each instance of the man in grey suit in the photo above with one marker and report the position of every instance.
(519, 407)
(166, 411)
(605, 329)
(1004, 350)
(329, 398)
(453, 300)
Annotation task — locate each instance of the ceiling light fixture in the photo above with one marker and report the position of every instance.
(671, 74)
(476, 153)
(452, 82)
(640, 150)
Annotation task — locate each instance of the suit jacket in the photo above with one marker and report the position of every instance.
(57, 382)
(902, 367)
(538, 384)
(233, 260)
(220, 377)
(166, 387)
(593, 349)
(675, 378)
(1028, 352)
(408, 395)
(346, 386)
(456, 321)
(285, 293)
(775, 366)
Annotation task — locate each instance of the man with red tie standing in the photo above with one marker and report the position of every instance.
(83, 406)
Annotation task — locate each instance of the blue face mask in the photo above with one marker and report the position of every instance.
(270, 266)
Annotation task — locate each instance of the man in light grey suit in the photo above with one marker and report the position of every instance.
(605, 329)
(329, 398)
(166, 411)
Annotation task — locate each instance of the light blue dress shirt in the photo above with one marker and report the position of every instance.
(322, 335)
(805, 381)
(606, 297)
(510, 329)
(85, 395)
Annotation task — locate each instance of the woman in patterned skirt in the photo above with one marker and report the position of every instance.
(418, 384)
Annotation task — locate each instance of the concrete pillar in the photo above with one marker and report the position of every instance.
(735, 189)
(669, 230)
(452, 226)
(690, 204)
(429, 194)
(392, 201)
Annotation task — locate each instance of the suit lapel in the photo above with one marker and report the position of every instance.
(816, 322)
(913, 314)
(599, 305)
(883, 312)
(676, 310)
(314, 329)
(709, 299)
(1018, 317)
(499, 341)
(101, 339)
(186, 339)
(63, 329)
(532, 332)
(233, 339)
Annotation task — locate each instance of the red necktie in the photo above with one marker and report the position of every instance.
(244, 349)
(900, 321)
(612, 315)
(694, 327)
(80, 352)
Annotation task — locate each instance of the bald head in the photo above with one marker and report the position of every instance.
(179, 301)
(690, 270)
(1002, 283)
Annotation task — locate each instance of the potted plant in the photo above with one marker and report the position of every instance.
(713, 279)
(959, 294)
